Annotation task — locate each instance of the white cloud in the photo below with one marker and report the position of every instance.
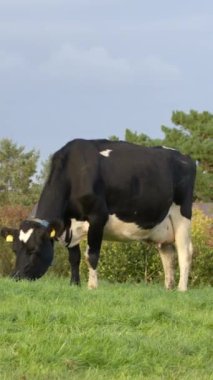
(97, 65)
(93, 64)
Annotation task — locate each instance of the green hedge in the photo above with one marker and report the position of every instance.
(119, 262)
(202, 238)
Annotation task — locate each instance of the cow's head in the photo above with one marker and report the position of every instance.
(32, 244)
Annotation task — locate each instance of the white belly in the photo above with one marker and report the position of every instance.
(117, 230)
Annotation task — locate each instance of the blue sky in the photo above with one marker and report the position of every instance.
(92, 68)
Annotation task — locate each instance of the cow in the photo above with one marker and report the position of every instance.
(109, 190)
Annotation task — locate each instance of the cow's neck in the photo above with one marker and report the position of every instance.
(52, 203)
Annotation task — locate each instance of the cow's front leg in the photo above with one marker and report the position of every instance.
(95, 235)
(75, 259)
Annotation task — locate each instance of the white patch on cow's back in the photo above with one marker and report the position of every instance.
(106, 152)
(167, 147)
(24, 236)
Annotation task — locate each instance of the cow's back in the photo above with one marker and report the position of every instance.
(136, 183)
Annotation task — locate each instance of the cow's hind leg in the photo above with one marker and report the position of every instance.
(167, 253)
(185, 251)
(75, 259)
(182, 232)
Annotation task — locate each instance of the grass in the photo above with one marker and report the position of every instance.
(49, 330)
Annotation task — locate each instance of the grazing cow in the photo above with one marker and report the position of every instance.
(110, 190)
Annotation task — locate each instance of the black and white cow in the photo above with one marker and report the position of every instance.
(110, 190)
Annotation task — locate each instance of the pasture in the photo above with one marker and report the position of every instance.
(50, 330)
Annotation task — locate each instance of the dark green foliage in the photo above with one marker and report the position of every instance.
(7, 259)
(130, 262)
(60, 265)
(17, 169)
(141, 139)
(193, 135)
(119, 262)
(202, 263)
(44, 171)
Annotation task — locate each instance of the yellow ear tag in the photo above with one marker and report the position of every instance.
(9, 238)
(52, 234)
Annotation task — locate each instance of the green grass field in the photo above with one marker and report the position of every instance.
(50, 331)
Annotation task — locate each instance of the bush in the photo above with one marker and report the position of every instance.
(60, 265)
(202, 263)
(133, 261)
(119, 262)
(9, 216)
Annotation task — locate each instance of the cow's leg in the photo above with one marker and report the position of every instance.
(75, 259)
(95, 234)
(93, 278)
(167, 252)
(184, 250)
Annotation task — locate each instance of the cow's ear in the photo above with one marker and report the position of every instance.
(55, 228)
(8, 234)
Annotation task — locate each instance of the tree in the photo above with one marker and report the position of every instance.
(194, 136)
(44, 172)
(17, 170)
(141, 139)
